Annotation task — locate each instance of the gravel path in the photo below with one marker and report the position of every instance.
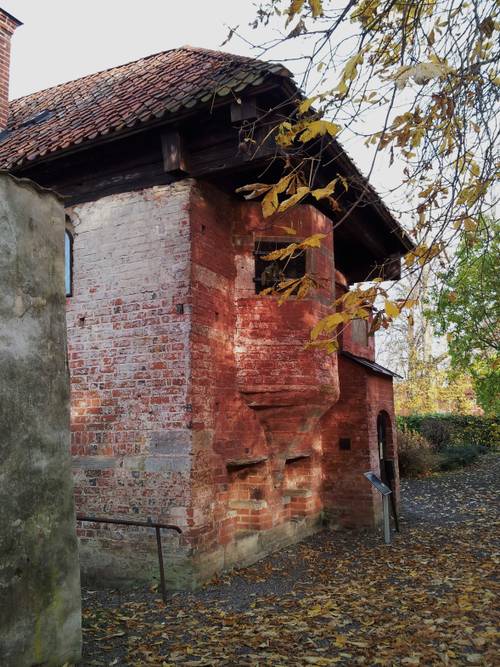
(336, 598)
(453, 497)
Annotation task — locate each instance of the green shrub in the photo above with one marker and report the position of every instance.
(415, 455)
(460, 456)
(409, 439)
(447, 430)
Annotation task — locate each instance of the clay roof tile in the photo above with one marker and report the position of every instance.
(120, 97)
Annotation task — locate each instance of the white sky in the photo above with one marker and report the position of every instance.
(65, 39)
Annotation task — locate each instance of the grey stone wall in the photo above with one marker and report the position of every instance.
(39, 573)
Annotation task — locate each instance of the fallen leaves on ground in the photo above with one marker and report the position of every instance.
(338, 598)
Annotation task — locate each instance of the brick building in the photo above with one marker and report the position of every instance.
(193, 399)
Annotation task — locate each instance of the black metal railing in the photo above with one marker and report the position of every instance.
(143, 524)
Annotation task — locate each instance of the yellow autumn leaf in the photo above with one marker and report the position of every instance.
(391, 308)
(321, 193)
(341, 88)
(281, 253)
(319, 128)
(270, 203)
(294, 199)
(305, 287)
(288, 230)
(351, 68)
(288, 287)
(330, 345)
(313, 241)
(306, 104)
(409, 259)
(254, 189)
(327, 324)
(410, 303)
(316, 7)
(294, 8)
(470, 225)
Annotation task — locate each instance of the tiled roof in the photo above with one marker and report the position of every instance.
(119, 98)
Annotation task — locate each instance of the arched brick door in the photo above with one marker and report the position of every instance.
(384, 438)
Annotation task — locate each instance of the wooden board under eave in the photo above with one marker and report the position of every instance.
(173, 151)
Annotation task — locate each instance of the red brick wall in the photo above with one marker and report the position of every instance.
(346, 339)
(194, 400)
(347, 495)
(7, 27)
(257, 394)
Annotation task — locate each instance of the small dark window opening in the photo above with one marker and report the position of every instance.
(345, 444)
(68, 261)
(269, 274)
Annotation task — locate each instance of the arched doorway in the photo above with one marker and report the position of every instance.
(386, 460)
(384, 439)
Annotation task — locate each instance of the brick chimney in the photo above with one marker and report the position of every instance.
(7, 26)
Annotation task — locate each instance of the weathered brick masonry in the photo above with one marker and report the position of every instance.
(257, 394)
(194, 400)
(128, 329)
(349, 500)
(8, 25)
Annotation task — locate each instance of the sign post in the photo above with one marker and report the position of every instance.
(385, 491)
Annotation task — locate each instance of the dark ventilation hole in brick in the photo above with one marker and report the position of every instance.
(246, 479)
(269, 274)
(345, 443)
(295, 458)
(257, 494)
(81, 321)
(242, 464)
(179, 309)
(298, 470)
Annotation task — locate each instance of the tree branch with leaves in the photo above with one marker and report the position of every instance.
(417, 81)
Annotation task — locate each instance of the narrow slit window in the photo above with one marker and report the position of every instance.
(359, 329)
(269, 274)
(68, 261)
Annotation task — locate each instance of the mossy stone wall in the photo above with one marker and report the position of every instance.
(39, 572)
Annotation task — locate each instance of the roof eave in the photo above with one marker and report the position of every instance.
(371, 366)
(166, 119)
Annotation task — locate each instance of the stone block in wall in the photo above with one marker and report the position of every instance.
(39, 572)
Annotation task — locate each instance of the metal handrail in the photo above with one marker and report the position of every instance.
(145, 524)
